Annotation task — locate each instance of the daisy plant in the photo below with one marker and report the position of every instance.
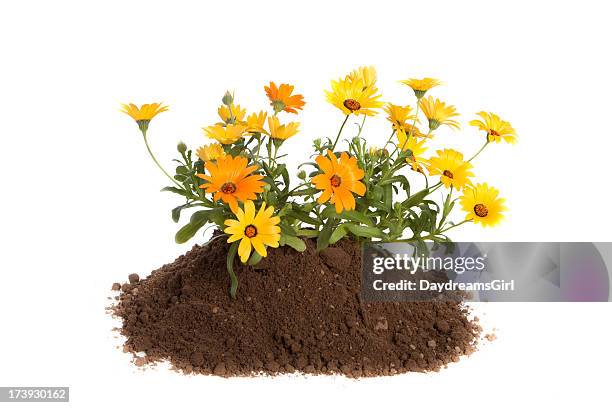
(239, 180)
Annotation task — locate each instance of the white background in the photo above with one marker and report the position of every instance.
(81, 206)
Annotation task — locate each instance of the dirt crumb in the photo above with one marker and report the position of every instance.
(490, 336)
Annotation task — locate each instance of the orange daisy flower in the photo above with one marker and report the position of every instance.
(339, 180)
(231, 180)
(282, 100)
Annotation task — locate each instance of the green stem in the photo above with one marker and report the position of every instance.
(430, 236)
(340, 132)
(230, 269)
(297, 187)
(479, 151)
(454, 226)
(144, 134)
(362, 123)
(416, 116)
(432, 188)
(258, 147)
(389, 140)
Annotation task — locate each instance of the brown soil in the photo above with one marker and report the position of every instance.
(294, 312)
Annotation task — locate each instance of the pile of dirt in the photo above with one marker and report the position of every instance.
(294, 312)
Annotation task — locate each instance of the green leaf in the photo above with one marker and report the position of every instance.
(255, 258)
(231, 253)
(363, 231)
(388, 196)
(303, 216)
(215, 216)
(338, 234)
(285, 175)
(307, 233)
(294, 242)
(396, 179)
(415, 199)
(306, 191)
(349, 215)
(198, 220)
(325, 234)
(376, 193)
(176, 212)
(175, 190)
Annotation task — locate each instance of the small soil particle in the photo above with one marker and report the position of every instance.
(116, 286)
(220, 369)
(282, 319)
(443, 326)
(133, 277)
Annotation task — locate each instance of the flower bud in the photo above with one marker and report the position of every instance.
(181, 147)
(228, 98)
(302, 175)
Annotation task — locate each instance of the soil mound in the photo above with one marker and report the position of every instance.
(293, 312)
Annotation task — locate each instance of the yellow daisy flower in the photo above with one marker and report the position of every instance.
(143, 114)
(483, 205)
(416, 147)
(282, 132)
(438, 113)
(421, 86)
(496, 128)
(225, 134)
(398, 115)
(453, 170)
(231, 114)
(253, 230)
(366, 74)
(353, 97)
(210, 152)
(255, 122)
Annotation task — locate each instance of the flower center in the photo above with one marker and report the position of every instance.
(447, 173)
(481, 210)
(335, 180)
(250, 231)
(352, 105)
(228, 188)
(493, 132)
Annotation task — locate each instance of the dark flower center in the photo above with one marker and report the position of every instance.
(335, 180)
(228, 188)
(481, 210)
(447, 173)
(250, 231)
(352, 105)
(493, 132)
